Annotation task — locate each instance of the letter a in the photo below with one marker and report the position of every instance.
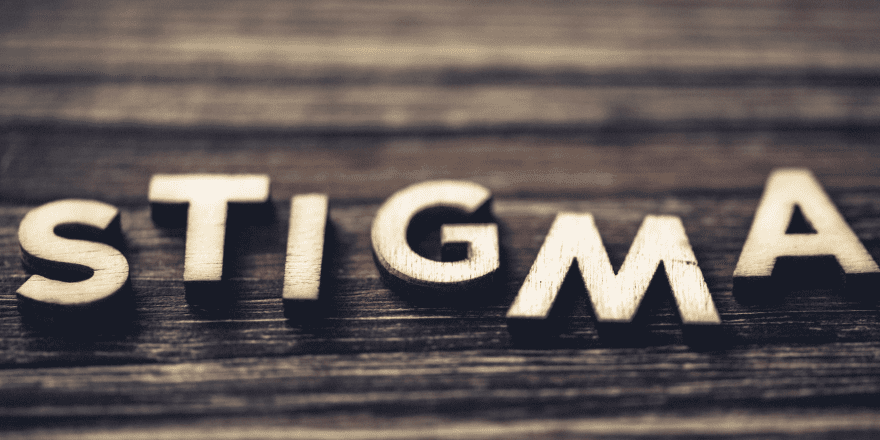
(786, 191)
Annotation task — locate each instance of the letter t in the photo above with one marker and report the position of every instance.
(208, 196)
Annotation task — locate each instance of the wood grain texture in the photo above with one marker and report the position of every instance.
(270, 39)
(621, 109)
(440, 66)
(48, 162)
(821, 343)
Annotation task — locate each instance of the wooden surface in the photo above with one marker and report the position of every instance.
(621, 109)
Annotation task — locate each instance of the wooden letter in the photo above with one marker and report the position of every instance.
(615, 298)
(43, 251)
(305, 247)
(786, 191)
(395, 257)
(208, 196)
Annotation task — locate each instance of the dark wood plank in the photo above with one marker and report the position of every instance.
(810, 424)
(488, 385)
(447, 66)
(270, 39)
(114, 165)
(407, 109)
(814, 349)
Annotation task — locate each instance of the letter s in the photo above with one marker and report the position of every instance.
(43, 251)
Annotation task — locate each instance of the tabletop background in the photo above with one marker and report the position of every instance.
(617, 108)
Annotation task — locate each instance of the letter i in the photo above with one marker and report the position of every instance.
(305, 250)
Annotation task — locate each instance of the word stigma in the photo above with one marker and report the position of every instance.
(77, 272)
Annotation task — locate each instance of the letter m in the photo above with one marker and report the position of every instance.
(615, 298)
